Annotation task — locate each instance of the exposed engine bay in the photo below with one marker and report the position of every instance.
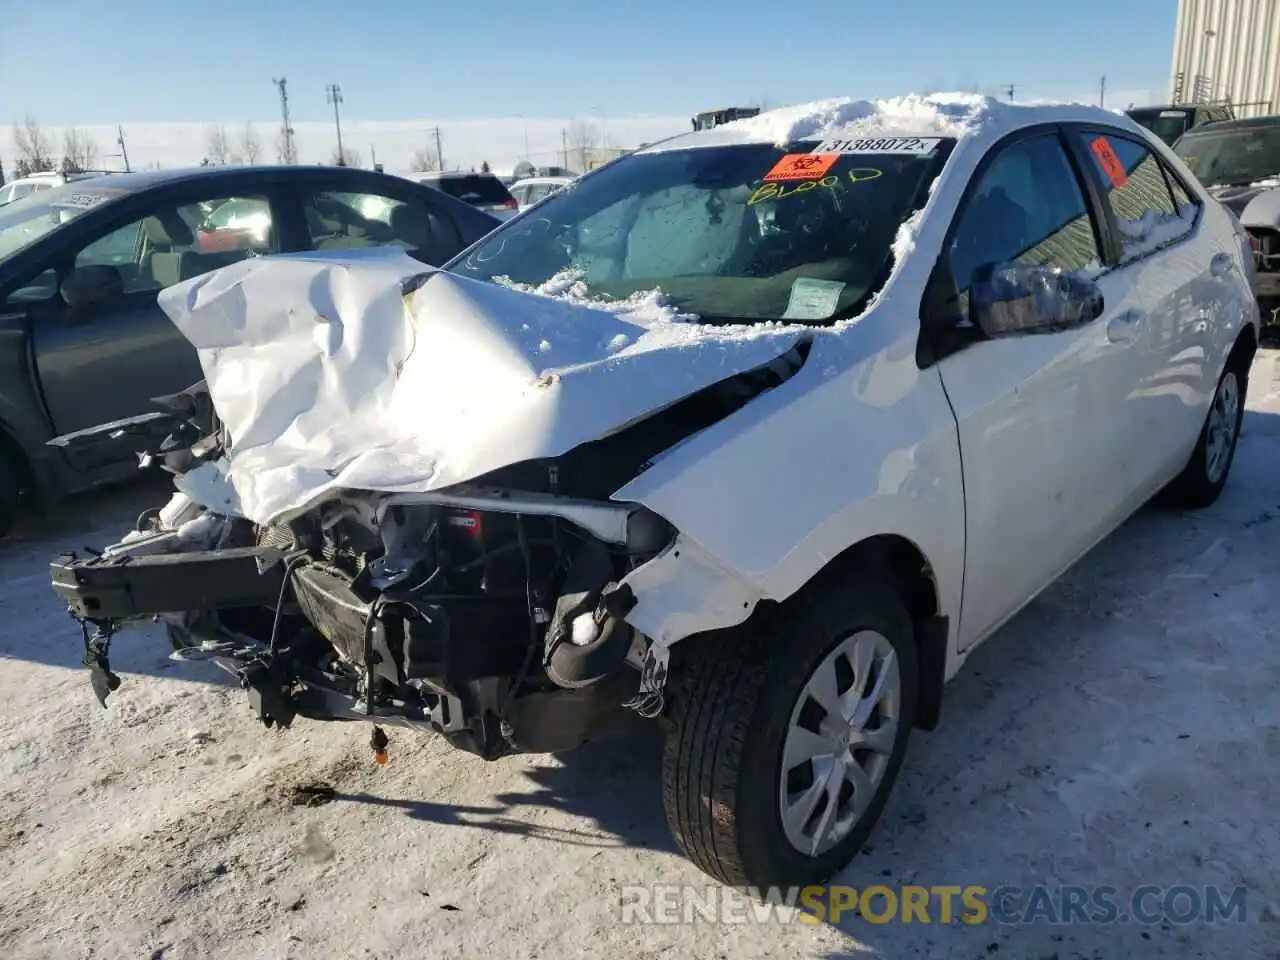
(493, 613)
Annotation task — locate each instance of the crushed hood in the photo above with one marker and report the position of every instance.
(375, 373)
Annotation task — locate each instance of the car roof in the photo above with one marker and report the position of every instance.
(1244, 123)
(146, 179)
(949, 115)
(449, 174)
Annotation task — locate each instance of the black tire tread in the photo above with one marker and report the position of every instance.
(715, 694)
(10, 489)
(1191, 489)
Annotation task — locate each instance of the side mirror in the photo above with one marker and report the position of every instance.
(88, 286)
(1006, 299)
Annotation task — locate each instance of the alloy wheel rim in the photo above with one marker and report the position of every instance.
(1224, 416)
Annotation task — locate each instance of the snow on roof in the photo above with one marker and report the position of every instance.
(939, 115)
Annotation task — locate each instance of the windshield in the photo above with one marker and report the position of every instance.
(1236, 156)
(1168, 125)
(725, 233)
(25, 221)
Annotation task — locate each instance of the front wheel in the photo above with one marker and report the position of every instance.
(787, 739)
(1203, 478)
(10, 493)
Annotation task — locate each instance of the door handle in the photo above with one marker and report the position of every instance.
(1124, 328)
(1221, 264)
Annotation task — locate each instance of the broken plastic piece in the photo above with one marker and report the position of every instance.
(379, 743)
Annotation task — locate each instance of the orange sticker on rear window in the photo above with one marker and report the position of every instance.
(802, 166)
(1111, 164)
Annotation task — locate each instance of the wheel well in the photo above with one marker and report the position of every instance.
(1245, 347)
(900, 562)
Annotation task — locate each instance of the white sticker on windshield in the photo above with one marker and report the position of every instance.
(914, 145)
(813, 299)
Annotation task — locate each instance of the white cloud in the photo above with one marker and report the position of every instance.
(466, 143)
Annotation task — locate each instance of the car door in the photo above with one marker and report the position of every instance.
(1175, 267)
(344, 214)
(1042, 447)
(103, 361)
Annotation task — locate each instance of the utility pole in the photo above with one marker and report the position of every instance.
(439, 149)
(373, 156)
(289, 156)
(564, 148)
(333, 94)
(1102, 91)
(1009, 90)
(124, 152)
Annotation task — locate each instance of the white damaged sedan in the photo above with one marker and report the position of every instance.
(757, 432)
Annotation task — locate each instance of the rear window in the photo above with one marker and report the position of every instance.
(473, 189)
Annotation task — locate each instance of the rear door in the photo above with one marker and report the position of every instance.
(105, 363)
(1040, 417)
(1174, 270)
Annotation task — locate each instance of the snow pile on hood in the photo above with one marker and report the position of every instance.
(375, 373)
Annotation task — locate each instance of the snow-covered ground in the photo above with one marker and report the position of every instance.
(1124, 730)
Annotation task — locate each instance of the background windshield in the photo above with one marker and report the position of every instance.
(1240, 156)
(719, 240)
(23, 222)
(1168, 125)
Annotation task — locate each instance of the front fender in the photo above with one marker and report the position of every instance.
(847, 449)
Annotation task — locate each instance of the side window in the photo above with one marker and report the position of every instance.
(181, 241)
(338, 220)
(1135, 186)
(1027, 207)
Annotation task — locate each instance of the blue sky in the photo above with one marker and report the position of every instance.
(150, 61)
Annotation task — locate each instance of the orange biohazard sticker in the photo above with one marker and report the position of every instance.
(802, 166)
(1111, 164)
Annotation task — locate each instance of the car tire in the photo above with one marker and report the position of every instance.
(10, 492)
(1205, 475)
(742, 702)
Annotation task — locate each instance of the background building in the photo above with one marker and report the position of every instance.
(1228, 50)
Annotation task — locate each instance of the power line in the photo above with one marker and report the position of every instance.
(333, 95)
(288, 155)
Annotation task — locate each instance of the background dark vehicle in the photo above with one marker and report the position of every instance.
(83, 341)
(484, 191)
(1239, 162)
(1171, 121)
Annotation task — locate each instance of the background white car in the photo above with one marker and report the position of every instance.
(531, 190)
(26, 186)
